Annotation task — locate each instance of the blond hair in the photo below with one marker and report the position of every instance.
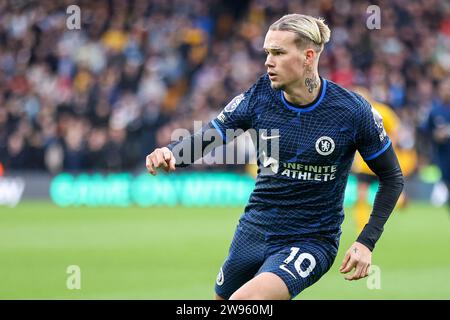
(310, 31)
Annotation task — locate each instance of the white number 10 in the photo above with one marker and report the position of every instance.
(299, 261)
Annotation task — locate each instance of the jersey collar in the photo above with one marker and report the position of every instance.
(308, 107)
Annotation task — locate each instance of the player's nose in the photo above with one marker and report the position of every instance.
(269, 62)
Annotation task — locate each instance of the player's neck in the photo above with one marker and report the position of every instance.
(305, 92)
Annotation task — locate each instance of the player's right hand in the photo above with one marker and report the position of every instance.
(160, 158)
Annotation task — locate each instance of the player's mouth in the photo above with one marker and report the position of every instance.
(272, 75)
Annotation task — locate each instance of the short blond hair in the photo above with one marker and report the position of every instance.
(309, 30)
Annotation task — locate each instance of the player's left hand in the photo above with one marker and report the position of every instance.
(359, 257)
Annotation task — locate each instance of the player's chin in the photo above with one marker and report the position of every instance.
(276, 85)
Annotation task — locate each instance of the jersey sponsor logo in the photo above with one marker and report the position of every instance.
(264, 136)
(309, 172)
(230, 107)
(220, 279)
(325, 146)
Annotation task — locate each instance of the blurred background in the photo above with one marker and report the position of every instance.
(81, 108)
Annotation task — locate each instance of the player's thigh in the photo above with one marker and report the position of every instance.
(245, 257)
(299, 264)
(264, 286)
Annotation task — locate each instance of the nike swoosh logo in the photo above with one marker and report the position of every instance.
(268, 137)
(283, 267)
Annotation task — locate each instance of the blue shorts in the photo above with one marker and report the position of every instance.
(298, 262)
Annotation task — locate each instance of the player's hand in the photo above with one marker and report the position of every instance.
(160, 158)
(359, 257)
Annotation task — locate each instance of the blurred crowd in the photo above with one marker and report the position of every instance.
(104, 96)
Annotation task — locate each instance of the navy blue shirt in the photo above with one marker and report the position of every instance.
(300, 188)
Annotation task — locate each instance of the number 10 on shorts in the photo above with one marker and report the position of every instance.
(297, 264)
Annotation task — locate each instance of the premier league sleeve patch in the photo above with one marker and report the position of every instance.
(230, 107)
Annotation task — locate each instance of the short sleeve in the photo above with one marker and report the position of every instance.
(371, 137)
(236, 114)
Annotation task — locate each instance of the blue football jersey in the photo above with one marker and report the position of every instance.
(299, 190)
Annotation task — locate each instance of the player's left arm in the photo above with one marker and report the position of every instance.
(376, 148)
(359, 256)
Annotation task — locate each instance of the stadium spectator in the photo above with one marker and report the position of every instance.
(179, 55)
(438, 126)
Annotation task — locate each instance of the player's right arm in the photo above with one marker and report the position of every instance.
(235, 115)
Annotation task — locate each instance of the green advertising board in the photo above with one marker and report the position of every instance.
(185, 189)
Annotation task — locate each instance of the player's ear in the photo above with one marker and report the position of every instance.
(310, 55)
